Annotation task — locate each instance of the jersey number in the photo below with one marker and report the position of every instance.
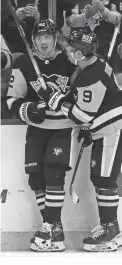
(87, 96)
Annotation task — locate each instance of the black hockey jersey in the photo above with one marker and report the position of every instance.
(24, 84)
(97, 96)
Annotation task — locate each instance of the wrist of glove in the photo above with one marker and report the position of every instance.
(32, 112)
(52, 96)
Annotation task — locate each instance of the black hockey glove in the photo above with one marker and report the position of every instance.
(85, 133)
(52, 96)
(32, 112)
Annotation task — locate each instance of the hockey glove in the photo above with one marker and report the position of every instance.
(53, 96)
(32, 112)
(86, 134)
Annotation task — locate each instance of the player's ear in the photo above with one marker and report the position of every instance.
(78, 54)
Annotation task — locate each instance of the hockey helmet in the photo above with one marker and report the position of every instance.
(83, 39)
(44, 26)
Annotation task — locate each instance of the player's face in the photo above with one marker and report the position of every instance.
(74, 54)
(45, 44)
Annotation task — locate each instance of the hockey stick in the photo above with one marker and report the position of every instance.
(73, 194)
(29, 51)
(115, 34)
(85, 141)
(52, 9)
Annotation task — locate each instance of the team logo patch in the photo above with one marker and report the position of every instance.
(57, 151)
(60, 83)
(87, 38)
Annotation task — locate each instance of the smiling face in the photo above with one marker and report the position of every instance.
(45, 44)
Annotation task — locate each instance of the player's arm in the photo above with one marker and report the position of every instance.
(89, 100)
(18, 104)
(112, 17)
(74, 113)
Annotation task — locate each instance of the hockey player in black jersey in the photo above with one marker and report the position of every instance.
(98, 101)
(48, 139)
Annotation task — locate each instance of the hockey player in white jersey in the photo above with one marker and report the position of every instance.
(98, 101)
(48, 139)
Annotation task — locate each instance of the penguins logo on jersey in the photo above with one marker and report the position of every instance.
(57, 81)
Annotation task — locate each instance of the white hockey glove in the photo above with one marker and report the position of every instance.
(32, 112)
(52, 96)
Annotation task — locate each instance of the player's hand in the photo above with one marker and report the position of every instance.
(52, 96)
(33, 112)
(90, 11)
(32, 11)
(21, 14)
(99, 6)
(86, 134)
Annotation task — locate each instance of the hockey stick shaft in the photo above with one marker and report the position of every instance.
(116, 32)
(29, 51)
(77, 163)
(52, 10)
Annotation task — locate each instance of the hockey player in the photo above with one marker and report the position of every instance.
(48, 139)
(98, 101)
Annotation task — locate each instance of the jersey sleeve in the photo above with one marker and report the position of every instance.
(112, 17)
(91, 97)
(17, 91)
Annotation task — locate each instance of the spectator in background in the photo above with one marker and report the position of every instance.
(27, 12)
(103, 22)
